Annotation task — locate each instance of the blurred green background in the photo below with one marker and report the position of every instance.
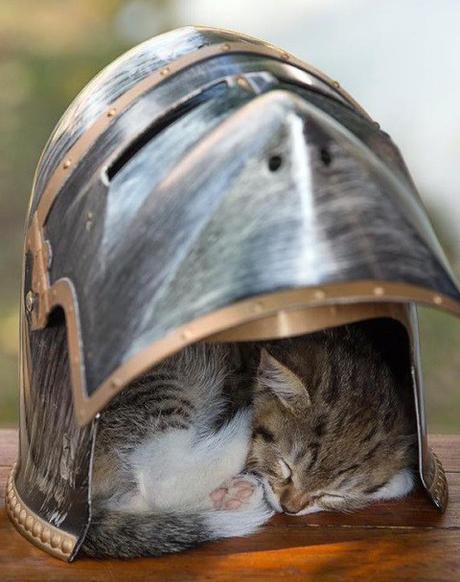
(50, 49)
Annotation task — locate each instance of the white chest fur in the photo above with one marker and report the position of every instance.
(179, 468)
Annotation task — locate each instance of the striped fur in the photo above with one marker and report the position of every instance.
(163, 447)
(334, 427)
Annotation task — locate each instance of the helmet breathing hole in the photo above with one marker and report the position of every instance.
(325, 156)
(274, 163)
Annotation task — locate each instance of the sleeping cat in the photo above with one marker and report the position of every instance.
(202, 448)
(334, 425)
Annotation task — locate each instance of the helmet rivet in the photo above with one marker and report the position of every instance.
(66, 546)
(437, 299)
(115, 382)
(89, 220)
(37, 529)
(165, 71)
(242, 83)
(285, 56)
(111, 112)
(45, 535)
(30, 301)
(336, 84)
(67, 164)
(226, 47)
(187, 334)
(379, 291)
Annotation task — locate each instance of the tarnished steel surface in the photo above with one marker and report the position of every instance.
(197, 220)
(129, 70)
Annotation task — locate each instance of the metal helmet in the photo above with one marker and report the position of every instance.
(204, 185)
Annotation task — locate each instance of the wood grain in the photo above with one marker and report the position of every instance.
(447, 447)
(8, 447)
(406, 540)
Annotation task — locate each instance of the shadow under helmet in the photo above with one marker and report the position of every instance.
(205, 185)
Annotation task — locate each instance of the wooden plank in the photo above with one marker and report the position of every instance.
(8, 446)
(447, 447)
(4, 472)
(406, 540)
(326, 554)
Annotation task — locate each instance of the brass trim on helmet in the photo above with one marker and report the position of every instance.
(81, 146)
(47, 537)
(42, 298)
(438, 489)
(338, 298)
(37, 297)
(283, 323)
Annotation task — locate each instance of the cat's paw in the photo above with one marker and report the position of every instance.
(237, 494)
(238, 507)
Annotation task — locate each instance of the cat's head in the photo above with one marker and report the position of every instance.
(316, 452)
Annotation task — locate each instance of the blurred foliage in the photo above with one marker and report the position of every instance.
(48, 51)
(440, 339)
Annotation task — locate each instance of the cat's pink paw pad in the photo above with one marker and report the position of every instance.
(245, 493)
(218, 495)
(241, 485)
(232, 504)
(233, 494)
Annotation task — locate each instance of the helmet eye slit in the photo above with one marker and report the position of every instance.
(161, 124)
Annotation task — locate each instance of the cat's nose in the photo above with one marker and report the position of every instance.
(292, 500)
(291, 506)
(286, 508)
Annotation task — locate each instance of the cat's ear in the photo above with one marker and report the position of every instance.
(283, 382)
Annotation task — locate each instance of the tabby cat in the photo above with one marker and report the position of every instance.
(334, 425)
(208, 446)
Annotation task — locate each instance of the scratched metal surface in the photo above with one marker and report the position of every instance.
(196, 221)
(54, 458)
(113, 81)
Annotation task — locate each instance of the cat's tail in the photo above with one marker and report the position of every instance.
(118, 534)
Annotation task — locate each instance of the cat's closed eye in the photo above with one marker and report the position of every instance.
(328, 497)
(286, 471)
(333, 502)
(327, 500)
